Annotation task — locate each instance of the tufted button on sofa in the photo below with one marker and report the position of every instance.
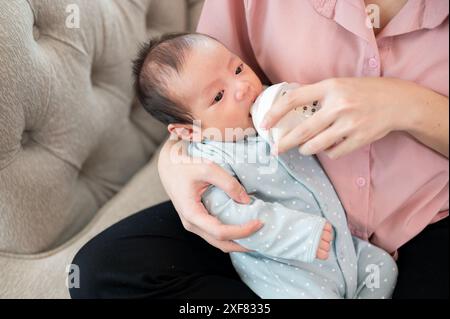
(77, 153)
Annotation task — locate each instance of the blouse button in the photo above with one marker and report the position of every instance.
(361, 181)
(373, 63)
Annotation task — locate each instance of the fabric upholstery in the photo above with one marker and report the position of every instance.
(71, 133)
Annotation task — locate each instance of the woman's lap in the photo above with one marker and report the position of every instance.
(151, 255)
(423, 264)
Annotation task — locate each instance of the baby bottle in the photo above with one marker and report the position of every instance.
(292, 119)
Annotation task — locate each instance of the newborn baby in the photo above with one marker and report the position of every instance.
(206, 95)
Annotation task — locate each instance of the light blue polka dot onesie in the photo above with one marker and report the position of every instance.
(294, 198)
(294, 203)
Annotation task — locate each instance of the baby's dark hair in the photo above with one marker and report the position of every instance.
(158, 60)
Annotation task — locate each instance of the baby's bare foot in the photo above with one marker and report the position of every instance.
(325, 242)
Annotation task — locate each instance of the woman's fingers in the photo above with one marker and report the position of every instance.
(196, 218)
(345, 147)
(220, 178)
(226, 246)
(305, 131)
(201, 219)
(200, 222)
(324, 140)
(293, 98)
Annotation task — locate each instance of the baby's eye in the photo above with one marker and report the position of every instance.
(239, 68)
(218, 97)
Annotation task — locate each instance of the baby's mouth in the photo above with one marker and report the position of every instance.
(253, 102)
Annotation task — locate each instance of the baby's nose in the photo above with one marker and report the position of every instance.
(242, 91)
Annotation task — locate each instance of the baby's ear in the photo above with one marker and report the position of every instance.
(183, 131)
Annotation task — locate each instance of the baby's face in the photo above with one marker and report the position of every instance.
(219, 89)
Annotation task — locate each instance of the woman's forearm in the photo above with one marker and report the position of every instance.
(164, 154)
(429, 121)
(170, 150)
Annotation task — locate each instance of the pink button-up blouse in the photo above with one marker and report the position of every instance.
(393, 188)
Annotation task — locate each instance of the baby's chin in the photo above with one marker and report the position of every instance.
(241, 132)
(231, 134)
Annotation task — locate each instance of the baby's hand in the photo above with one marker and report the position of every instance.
(325, 242)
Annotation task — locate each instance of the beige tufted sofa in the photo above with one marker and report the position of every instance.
(77, 153)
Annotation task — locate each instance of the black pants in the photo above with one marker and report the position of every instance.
(151, 255)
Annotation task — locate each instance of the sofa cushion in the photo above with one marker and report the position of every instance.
(44, 275)
(70, 137)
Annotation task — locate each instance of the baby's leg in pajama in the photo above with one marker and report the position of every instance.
(271, 279)
(377, 271)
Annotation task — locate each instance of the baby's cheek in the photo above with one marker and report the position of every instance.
(237, 120)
